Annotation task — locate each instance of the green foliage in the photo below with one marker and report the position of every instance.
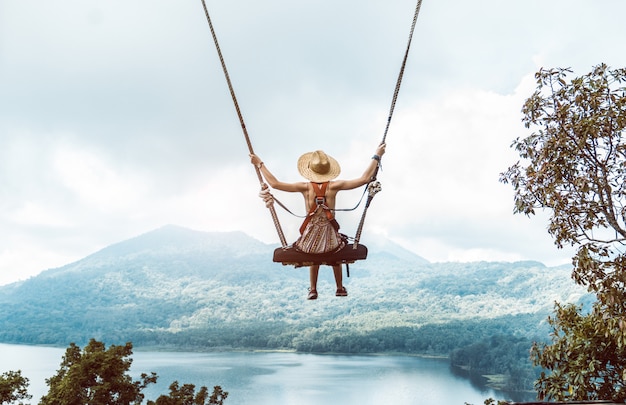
(576, 168)
(186, 395)
(99, 376)
(13, 387)
(336, 337)
(145, 302)
(491, 401)
(585, 358)
(504, 355)
(576, 164)
(576, 161)
(96, 376)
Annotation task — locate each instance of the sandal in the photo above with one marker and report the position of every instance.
(341, 292)
(312, 295)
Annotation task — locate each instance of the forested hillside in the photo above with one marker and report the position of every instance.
(178, 288)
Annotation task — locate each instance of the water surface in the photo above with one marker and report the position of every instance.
(280, 378)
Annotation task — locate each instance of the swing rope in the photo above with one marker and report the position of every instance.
(373, 186)
(401, 75)
(279, 229)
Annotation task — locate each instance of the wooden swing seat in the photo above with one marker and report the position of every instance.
(290, 256)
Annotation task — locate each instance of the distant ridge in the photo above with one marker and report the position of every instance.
(173, 238)
(389, 249)
(170, 239)
(164, 242)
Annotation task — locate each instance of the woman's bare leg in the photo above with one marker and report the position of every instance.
(341, 291)
(313, 273)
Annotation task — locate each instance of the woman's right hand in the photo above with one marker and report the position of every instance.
(266, 196)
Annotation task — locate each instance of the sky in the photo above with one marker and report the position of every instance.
(115, 117)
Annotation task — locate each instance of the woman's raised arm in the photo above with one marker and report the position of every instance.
(367, 174)
(272, 181)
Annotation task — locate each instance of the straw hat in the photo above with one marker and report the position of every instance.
(318, 167)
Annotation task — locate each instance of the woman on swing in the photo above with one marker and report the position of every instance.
(319, 197)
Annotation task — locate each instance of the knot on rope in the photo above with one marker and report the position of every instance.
(373, 188)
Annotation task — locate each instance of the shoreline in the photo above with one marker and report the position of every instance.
(224, 349)
(254, 350)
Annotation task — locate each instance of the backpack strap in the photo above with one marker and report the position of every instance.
(320, 193)
(320, 201)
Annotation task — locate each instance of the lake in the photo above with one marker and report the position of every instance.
(264, 378)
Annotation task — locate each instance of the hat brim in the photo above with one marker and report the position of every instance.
(307, 173)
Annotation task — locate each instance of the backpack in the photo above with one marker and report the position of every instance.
(319, 233)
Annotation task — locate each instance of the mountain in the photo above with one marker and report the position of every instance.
(176, 287)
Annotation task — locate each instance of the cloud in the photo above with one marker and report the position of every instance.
(445, 200)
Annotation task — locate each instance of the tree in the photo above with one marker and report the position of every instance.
(575, 167)
(13, 387)
(186, 395)
(96, 376)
